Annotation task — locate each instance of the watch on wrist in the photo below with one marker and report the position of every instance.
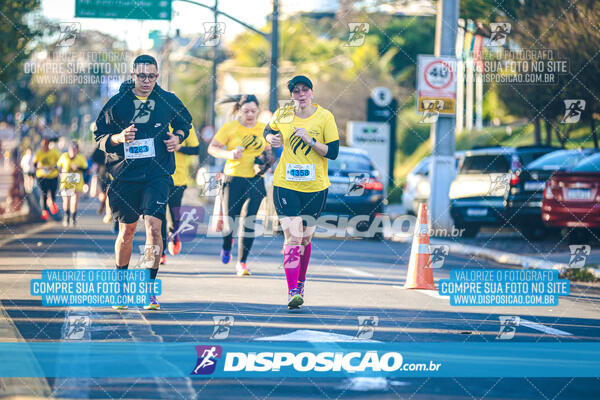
(313, 142)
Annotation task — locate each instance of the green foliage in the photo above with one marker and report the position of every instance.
(580, 274)
(411, 36)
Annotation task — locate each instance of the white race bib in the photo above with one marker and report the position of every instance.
(299, 172)
(142, 148)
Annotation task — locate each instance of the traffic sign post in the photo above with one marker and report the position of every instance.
(382, 107)
(123, 9)
(441, 170)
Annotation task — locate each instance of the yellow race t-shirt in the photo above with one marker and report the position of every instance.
(48, 159)
(182, 176)
(300, 167)
(234, 134)
(68, 180)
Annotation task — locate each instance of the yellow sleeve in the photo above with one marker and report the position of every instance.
(330, 133)
(273, 122)
(36, 157)
(222, 135)
(192, 139)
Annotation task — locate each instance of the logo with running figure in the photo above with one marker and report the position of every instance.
(207, 359)
(579, 254)
(431, 111)
(287, 111)
(500, 31)
(189, 218)
(439, 252)
(508, 326)
(68, 33)
(213, 31)
(251, 142)
(358, 33)
(222, 327)
(573, 111)
(143, 109)
(366, 327)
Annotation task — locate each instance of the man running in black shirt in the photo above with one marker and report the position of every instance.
(133, 130)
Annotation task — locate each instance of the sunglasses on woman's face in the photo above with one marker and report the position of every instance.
(143, 77)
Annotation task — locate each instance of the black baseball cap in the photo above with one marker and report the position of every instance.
(299, 79)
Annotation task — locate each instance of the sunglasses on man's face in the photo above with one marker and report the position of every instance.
(143, 77)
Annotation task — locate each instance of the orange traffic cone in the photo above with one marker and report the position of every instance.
(420, 274)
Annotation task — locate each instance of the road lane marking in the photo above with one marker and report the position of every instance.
(431, 293)
(543, 328)
(308, 335)
(357, 272)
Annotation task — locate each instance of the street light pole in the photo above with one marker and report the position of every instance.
(442, 160)
(274, 56)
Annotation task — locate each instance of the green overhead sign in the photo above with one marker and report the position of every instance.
(124, 9)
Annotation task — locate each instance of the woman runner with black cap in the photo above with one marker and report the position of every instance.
(309, 137)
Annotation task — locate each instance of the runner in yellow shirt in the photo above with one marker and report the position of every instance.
(184, 153)
(309, 137)
(45, 161)
(248, 157)
(71, 165)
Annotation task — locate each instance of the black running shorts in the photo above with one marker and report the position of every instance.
(291, 203)
(129, 199)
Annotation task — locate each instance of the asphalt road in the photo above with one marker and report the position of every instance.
(347, 279)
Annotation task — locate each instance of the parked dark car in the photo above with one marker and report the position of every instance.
(356, 187)
(527, 187)
(479, 194)
(572, 198)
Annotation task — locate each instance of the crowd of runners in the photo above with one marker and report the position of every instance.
(144, 134)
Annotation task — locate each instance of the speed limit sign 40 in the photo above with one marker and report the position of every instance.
(437, 80)
(438, 74)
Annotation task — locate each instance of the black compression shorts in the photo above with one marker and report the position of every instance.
(292, 203)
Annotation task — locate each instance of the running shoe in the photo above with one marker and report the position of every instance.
(241, 269)
(163, 259)
(153, 304)
(119, 307)
(45, 215)
(174, 246)
(52, 206)
(301, 288)
(225, 256)
(294, 299)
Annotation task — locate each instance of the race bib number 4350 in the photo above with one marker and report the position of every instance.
(141, 148)
(299, 172)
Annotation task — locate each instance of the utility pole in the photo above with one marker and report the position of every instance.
(274, 56)
(442, 164)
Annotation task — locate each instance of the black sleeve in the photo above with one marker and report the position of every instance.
(333, 148)
(182, 119)
(189, 150)
(269, 131)
(105, 127)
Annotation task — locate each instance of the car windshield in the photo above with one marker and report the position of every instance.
(589, 164)
(350, 162)
(482, 164)
(561, 159)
